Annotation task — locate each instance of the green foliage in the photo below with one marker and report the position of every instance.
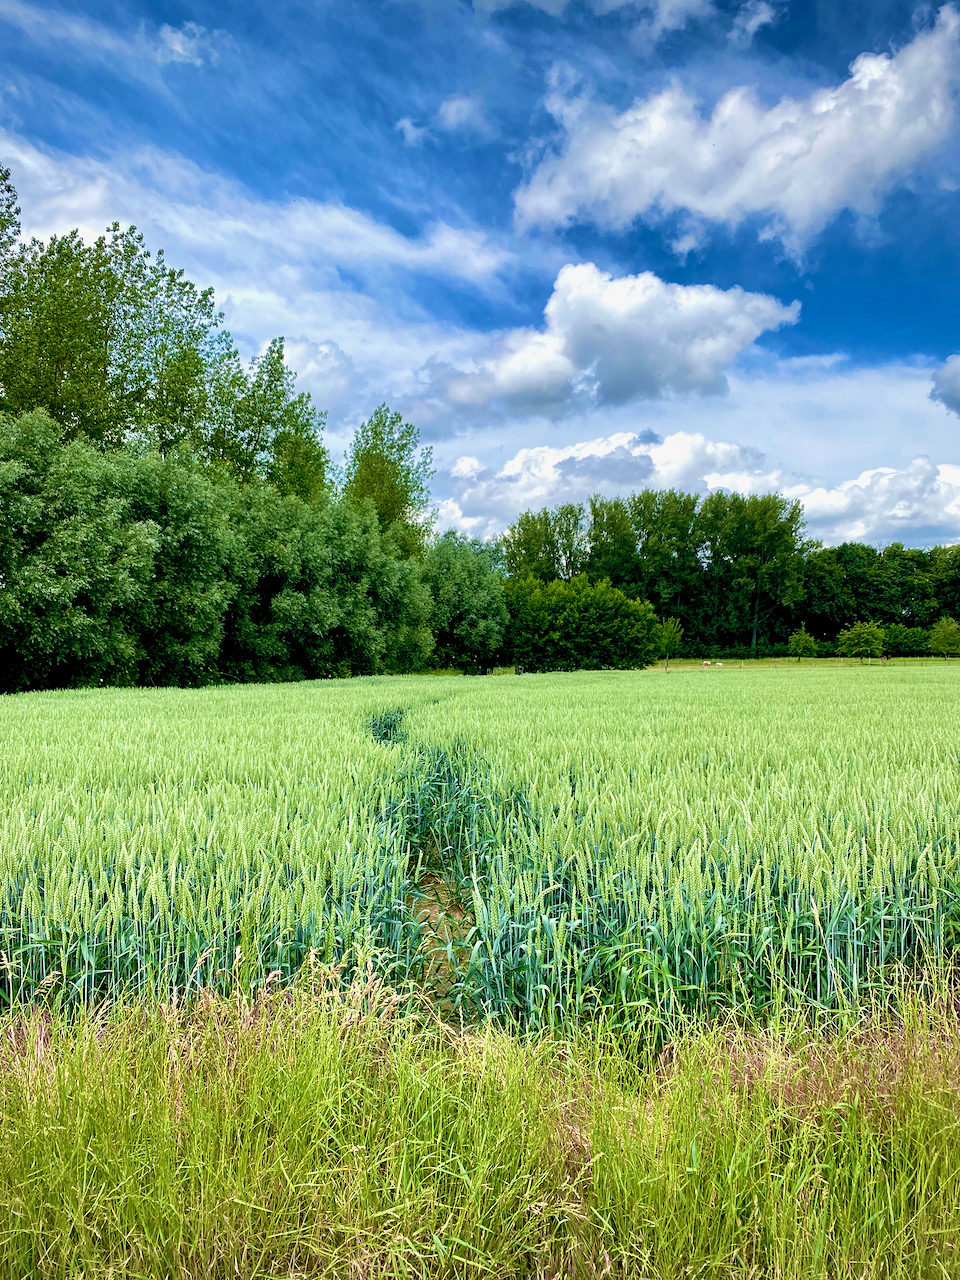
(565, 626)
(116, 345)
(76, 561)
(900, 641)
(546, 544)
(260, 427)
(862, 640)
(179, 624)
(945, 637)
(729, 568)
(138, 567)
(468, 611)
(802, 644)
(108, 340)
(754, 556)
(383, 465)
(9, 220)
(669, 634)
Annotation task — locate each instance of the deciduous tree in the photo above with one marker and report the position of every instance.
(945, 637)
(862, 640)
(802, 644)
(386, 465)
(468, 612)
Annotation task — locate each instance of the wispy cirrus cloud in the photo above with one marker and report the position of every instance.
(334, 280)
(189, 43)
(190, 209)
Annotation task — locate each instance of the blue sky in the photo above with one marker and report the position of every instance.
(585, 246)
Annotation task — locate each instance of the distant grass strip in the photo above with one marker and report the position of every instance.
(316, 1133)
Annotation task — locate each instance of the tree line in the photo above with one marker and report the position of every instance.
(169, 514)
(737, 577)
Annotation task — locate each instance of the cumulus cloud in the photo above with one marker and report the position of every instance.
(794, 165)
(610, 340)
(189, 43)
(916, 503)
(946, 384)
(485, 500)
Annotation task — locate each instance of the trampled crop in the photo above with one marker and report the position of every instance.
(607, 842)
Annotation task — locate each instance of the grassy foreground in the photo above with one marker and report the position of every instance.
(315, 1133)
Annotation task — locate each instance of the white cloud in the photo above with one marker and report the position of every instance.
(666, 16)
(413, 134)
(917, 503)
(324, 365)
(946, 384)
(611, 340)
(750, 18)
(486, 500)
(462, 111)
(190, 43)
(795, 165)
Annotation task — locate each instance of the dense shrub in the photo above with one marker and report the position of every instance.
(127, 567)
(564, 626)
(468, 612)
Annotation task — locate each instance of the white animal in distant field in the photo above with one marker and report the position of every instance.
(719, 664)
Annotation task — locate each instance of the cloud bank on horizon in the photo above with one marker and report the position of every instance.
(587, 245)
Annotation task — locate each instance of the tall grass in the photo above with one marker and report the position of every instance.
(318, 1134)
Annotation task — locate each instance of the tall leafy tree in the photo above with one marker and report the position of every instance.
(862, 640)
(117, 345)
(549, 544)
(612, 546)
(755, 560)
(9, 217)
(55, 342)
(386, 465)
(259, 426)
(668, 538)
(945, 637)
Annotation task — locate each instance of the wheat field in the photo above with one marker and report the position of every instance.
(530, 850)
